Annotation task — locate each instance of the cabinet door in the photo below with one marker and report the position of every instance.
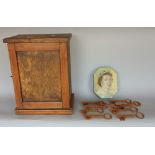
(37, 75)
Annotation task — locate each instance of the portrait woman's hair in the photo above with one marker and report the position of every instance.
(100, 78)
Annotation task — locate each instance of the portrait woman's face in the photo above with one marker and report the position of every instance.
(106, 81)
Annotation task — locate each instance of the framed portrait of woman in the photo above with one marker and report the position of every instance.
(105, 82)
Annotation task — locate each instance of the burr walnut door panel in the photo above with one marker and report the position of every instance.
(39, 76)
(39, 69)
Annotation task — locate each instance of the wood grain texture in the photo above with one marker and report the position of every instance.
(42, 105)
(40, 38)
(65, 75)
(44, 112)
(69, 67)
(62, 111)
(15, 74)
(40, 76)
(36, 46)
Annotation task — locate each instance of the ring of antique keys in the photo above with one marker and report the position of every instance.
(126, 106)
(98, 107)
(122, 109)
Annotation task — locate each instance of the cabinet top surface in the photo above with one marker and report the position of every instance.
(38, 38)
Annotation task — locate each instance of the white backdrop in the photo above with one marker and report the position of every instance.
(131, 51)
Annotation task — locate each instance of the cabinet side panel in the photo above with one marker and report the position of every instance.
(40, 76)
(15, 74)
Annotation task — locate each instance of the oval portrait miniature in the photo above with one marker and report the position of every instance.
(105, 82)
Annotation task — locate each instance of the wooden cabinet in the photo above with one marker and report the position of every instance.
(40, 67)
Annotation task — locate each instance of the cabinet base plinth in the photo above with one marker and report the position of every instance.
(44, 112)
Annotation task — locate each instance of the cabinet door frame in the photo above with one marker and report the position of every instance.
(13, 48)
(64, 58)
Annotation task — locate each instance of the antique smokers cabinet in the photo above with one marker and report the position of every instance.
(40, 67)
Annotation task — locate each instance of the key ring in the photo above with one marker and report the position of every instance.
(140, 115)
